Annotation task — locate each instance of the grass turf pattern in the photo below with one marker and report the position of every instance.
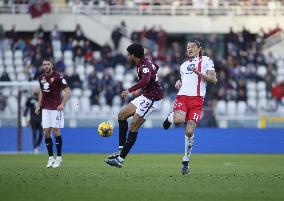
(144, 177)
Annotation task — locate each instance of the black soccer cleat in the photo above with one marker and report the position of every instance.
(167, 124)
(114, 162)
(114, 155)
(185, 168)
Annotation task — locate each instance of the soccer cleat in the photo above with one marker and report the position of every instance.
(51, 161)
(57, 162)
(185, 168)
(114, 155)
(114, 162)
(167, 124)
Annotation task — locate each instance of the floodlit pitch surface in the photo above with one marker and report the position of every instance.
(143, 178)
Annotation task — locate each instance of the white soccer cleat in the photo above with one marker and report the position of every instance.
(57, 162)
(51, 161)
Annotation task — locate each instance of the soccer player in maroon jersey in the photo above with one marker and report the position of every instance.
(195, 73)
(51, 85)
(141, 107)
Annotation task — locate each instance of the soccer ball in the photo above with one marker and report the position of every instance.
(105, 129)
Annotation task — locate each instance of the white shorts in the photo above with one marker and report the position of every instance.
(146, 106)
(52, 119)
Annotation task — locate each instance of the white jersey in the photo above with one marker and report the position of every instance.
(193, 85)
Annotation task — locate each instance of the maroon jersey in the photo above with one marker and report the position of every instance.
(51, 87)
(148, 80)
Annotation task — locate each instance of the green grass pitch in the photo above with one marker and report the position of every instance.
(144, 177)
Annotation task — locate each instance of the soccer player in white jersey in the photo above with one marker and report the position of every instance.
(195, 73)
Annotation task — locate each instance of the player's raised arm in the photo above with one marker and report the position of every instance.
(140, 85)
(146, 75)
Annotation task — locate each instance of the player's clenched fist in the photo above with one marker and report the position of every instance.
(60, 107)
(178, 84)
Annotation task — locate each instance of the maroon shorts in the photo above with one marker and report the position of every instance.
(191, 105)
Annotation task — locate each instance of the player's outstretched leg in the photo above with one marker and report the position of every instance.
(123, 127)
(187, 152)
(118, 161)
(168, 121)
(123, 115)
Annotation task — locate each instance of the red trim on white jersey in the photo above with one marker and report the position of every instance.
(199, 77)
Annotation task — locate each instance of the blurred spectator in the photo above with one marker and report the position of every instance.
(48, 52)
(2, 36)
(78, 36)
(69, 44)
(123, 29)
(277, 92)
(5, 77)
(74, 81)
(106, 50)
(56, 38)
(60, 66)
(162, 40)
(13, 36)
(116, 36)
(109, 95)
(3, 102)
(135, 38)
(38, 36)
(78, 56)
(107, 79)
(38, 8)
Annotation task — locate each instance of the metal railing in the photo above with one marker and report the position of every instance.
(162, 10)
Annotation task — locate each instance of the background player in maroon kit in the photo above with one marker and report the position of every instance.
(140, 107)
(51, 85)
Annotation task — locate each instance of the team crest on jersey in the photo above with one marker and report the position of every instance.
(46, 87)
(145, 70)
(43, 80)
(189, 68)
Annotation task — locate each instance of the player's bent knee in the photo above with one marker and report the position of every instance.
(189, 132)
(47, 132)
(178, 120)
(122, 115)
(56, 131)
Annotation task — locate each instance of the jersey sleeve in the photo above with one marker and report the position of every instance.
(209, 64)
(181, 71)
(63, 82)
(145, 78)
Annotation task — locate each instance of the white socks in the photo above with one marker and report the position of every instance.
(120, 159)
(188, 143)
(171, 117)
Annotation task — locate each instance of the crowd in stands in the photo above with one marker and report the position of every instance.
(197, 3)
(104, 72)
